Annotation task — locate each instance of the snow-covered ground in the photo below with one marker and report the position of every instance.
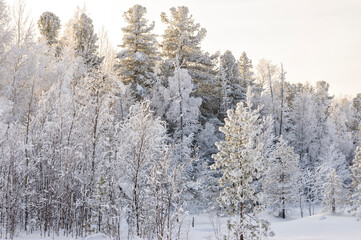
(316, 227)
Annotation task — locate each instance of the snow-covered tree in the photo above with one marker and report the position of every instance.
(107, 50)
(49, 25)
(210, 188)
(140, 140)
(181, 40)
(302, 133)
(182, 109)
(333, 193)
(246, 74)
(85, 41)
(240, 159)
(229, 78)
(164, 206)
(281, 179)
(335, 159)
(322, 101)
(80, 154)
(24, 28)
(182, 44)
(309, 133)
(182, 113)
(356, 125)
(5, 30)
(137, 60)
(340, 123)
(265, 70)
(356, 183)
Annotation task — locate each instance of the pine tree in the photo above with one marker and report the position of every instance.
(281, 179)
(356, 183)
(182, 38)
(246, 75)
(86, 41)
(181, 46)
(49, 25)
(240, 159)
(229, 78)
(333, 193)
(137, 60)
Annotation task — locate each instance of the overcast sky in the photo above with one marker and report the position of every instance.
(314, 39)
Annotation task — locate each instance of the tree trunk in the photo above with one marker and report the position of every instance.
(282, 100)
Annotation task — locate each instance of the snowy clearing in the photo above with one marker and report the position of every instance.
(316, 227)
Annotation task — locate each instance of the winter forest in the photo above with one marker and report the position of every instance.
(131, 142)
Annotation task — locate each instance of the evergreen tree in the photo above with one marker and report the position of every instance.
(86, 41)
(137, 60)
(182, 38)
(181, 46)
(49, 25)
(333, 193)
(240, 159)
(246, 74)
(229, 78)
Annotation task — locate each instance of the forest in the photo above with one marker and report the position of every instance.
(128, 141)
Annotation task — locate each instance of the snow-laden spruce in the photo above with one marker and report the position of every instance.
(240, 159)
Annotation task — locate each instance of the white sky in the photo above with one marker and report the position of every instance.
(314, 39)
